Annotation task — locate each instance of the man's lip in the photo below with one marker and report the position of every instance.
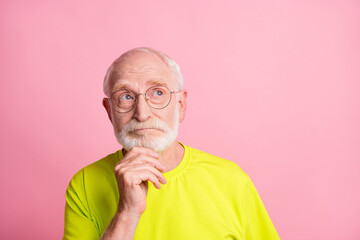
(139, 129)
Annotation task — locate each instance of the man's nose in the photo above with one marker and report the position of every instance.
(142, 109)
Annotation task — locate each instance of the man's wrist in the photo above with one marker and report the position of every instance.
(122, 226)
(127, 217)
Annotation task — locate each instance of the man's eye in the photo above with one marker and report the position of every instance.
(126, 97)
(158, 93)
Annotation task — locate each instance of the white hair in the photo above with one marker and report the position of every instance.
(171, 64)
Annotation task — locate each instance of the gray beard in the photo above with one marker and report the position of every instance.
(157, 144)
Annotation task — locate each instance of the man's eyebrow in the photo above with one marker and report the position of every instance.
(126, 85)
(123, 84)
(157, 82)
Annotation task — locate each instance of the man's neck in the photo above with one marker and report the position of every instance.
(172, 156)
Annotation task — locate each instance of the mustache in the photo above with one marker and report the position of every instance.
(134, 125)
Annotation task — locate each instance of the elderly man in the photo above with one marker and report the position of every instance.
(156, 187)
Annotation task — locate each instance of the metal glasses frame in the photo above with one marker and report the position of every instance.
(146, 98)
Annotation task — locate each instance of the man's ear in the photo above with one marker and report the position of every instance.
(106, 105)
(182, 105)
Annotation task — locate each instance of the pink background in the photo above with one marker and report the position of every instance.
(273, 86)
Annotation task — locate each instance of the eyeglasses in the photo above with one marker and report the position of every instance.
(124, 100)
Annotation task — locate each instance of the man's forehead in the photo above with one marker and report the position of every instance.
(123, 83)
(140, 61)
(137, 68)
(145, 67)
(144, 74)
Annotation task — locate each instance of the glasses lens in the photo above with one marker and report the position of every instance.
(123, 100)
(159, 96)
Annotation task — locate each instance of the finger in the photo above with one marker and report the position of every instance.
(142, 176)
(141, 159)
(143, 150)
(153, 162)
(147, 167)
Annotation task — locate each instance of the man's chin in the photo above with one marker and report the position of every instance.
(157, 144)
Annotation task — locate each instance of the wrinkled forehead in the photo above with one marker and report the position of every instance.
(140, 68)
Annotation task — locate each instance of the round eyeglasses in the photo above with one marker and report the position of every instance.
(124, 100)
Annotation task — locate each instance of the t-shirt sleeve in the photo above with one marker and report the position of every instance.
(258, 225)
(78, 221)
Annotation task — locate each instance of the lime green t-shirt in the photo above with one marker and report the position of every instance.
(205, 197)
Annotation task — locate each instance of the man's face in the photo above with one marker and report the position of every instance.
(144, 126)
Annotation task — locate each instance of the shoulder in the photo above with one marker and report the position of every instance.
(95, 171)
(217, 165)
